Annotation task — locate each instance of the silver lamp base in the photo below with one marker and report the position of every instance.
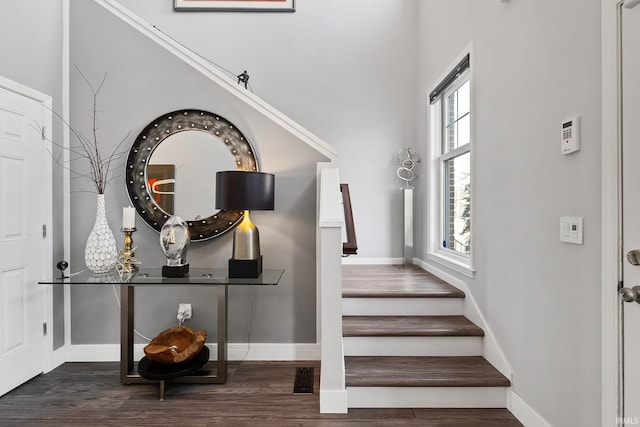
(246, 261)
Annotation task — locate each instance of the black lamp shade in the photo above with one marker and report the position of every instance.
(244, 190)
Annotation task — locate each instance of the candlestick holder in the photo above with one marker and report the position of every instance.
(129, 261)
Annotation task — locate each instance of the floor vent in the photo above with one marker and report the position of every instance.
(304, 381)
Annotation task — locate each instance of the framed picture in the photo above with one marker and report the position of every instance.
(236, 5)
(161, 180)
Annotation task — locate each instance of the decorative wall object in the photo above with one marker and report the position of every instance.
(100, 250)
(222, 135)
(127, 264)
(161, 180)
(176, 345)
(101, 253)
(174, 241)
(235, 6)
(407, 159)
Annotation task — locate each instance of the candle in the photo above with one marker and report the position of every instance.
(128, 217)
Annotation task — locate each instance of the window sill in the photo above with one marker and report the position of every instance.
(455, 263)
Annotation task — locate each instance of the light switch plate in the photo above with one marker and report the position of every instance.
(571, 229)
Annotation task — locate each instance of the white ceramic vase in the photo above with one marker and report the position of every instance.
(101, 252)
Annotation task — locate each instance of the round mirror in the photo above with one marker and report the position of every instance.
(172, 165)
(191, 160)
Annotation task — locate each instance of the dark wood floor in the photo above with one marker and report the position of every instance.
(256, 394)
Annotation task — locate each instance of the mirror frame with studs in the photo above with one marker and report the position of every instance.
(153, 135)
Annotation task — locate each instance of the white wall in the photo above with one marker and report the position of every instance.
(535, 64)
(31, 52)
(331, 67)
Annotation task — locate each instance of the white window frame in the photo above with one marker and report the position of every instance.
(450, 259)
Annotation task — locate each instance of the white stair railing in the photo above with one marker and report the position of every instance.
(333, 395)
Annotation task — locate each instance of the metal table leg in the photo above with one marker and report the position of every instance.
(129, 376)
(222, 333)
(127, 300)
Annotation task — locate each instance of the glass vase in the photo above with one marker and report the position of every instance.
(101, 252)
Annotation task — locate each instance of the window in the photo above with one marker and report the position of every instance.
(456, 170)
(450, 159)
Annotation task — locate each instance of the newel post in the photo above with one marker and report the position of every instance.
(333, 394)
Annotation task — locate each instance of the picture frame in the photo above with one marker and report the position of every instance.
(161, 179)
(235, 5)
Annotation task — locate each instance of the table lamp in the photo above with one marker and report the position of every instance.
(245, 191)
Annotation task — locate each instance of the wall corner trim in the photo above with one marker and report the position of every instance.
(205, 68)
(611, 396)
(59, 358)
(523, 412)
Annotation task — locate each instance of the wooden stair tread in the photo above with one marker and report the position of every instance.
(358, 270)
(399, 289)
(420, 291)
(434, 326)
(393, 281)
(430, 371)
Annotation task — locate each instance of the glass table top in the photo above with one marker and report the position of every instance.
(153, 276)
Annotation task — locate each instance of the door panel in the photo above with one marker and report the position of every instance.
(11, 188)
(630, 25)
(14, 294)
(21, 241)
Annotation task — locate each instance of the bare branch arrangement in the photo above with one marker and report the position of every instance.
(100, 165)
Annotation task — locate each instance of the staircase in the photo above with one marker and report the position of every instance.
(407, 344)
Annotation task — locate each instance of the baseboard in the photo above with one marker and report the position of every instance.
(235, 351)
(58, 357)
(492, 350)
(356, 260)
(523, 412)
(93, 353)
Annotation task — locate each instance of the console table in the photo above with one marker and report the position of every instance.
(217, 277)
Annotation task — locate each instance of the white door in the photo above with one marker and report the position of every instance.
(22, 246)
(630, 26)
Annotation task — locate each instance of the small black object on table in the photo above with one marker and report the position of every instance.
(62, 266)
(162, 372)
(175, 270)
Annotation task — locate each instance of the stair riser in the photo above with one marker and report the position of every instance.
(412, 346)
(427, 397)
(402, 306)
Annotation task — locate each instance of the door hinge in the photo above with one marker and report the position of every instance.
(44, 231)
(44, 132)
(44, 329)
